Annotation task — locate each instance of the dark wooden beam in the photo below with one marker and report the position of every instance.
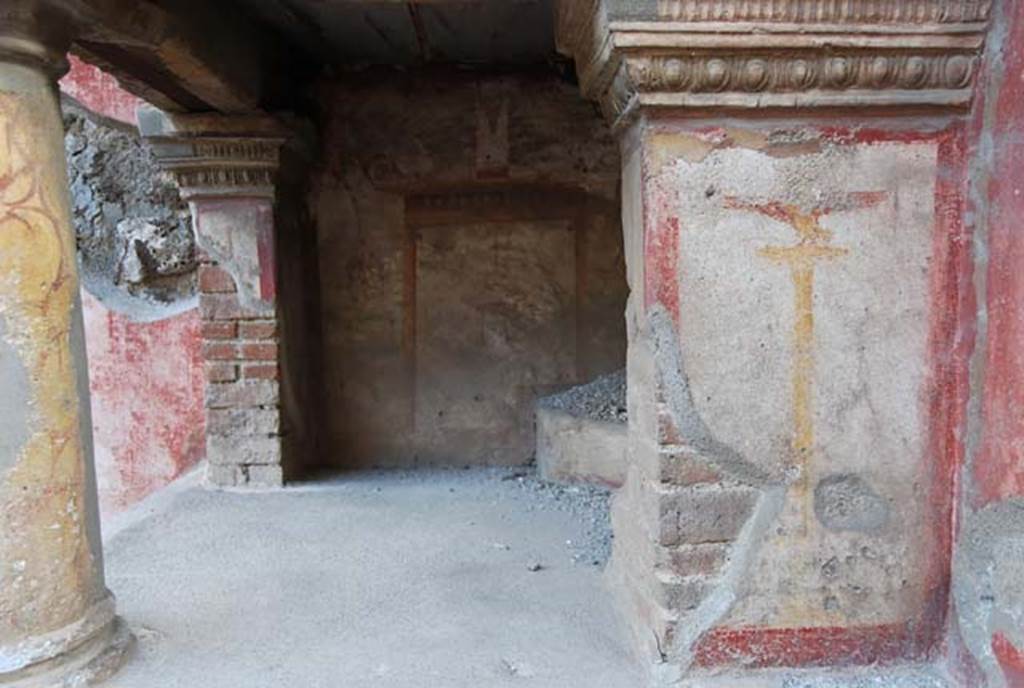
(297, 25)
(189, 55)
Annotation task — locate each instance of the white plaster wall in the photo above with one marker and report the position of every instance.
(737, 317)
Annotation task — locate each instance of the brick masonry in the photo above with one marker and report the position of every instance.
(243, 401)
(727, 506)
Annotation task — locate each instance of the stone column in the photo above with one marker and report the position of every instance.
(226, 169)
(57, 620)
(793, 195)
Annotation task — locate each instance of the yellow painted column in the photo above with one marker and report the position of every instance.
(57, 621)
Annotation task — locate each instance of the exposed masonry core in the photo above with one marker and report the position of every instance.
(243, 401)
(135, 242)
(694, 511)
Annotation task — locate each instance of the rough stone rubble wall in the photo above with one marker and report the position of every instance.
(134, 235)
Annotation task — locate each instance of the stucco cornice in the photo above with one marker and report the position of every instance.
(213, 156)
(794, 54)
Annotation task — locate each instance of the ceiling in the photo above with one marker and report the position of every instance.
(410, 32)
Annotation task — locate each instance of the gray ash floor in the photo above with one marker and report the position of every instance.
(438, 579)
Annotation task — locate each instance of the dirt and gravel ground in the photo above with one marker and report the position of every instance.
(445, 578)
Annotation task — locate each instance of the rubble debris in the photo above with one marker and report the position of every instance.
(602, 399)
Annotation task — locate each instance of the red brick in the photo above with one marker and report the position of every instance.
(260, 371)
(704, 515)
(220, 351)
(221, 372)
(219, 329)
(668, 433)
(257, 330)
(687, 467)
(220, 307)
(703, 560)
(213, 279)
(259, 352)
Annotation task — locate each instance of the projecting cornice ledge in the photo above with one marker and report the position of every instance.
(216, 156)
(708, 55)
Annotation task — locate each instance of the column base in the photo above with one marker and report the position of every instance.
(88, 664)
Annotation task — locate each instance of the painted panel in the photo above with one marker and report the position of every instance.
(803, 309)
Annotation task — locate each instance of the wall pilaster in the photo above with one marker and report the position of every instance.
(226, 168)
(793, 209)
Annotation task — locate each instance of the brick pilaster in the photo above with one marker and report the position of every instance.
(243, 414)
(226, 168)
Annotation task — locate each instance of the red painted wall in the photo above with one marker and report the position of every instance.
(999, 466)
(146, 379)
(98, 91)
(996, 471)
(999, 469)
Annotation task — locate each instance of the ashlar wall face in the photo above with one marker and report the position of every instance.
(471, 261)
